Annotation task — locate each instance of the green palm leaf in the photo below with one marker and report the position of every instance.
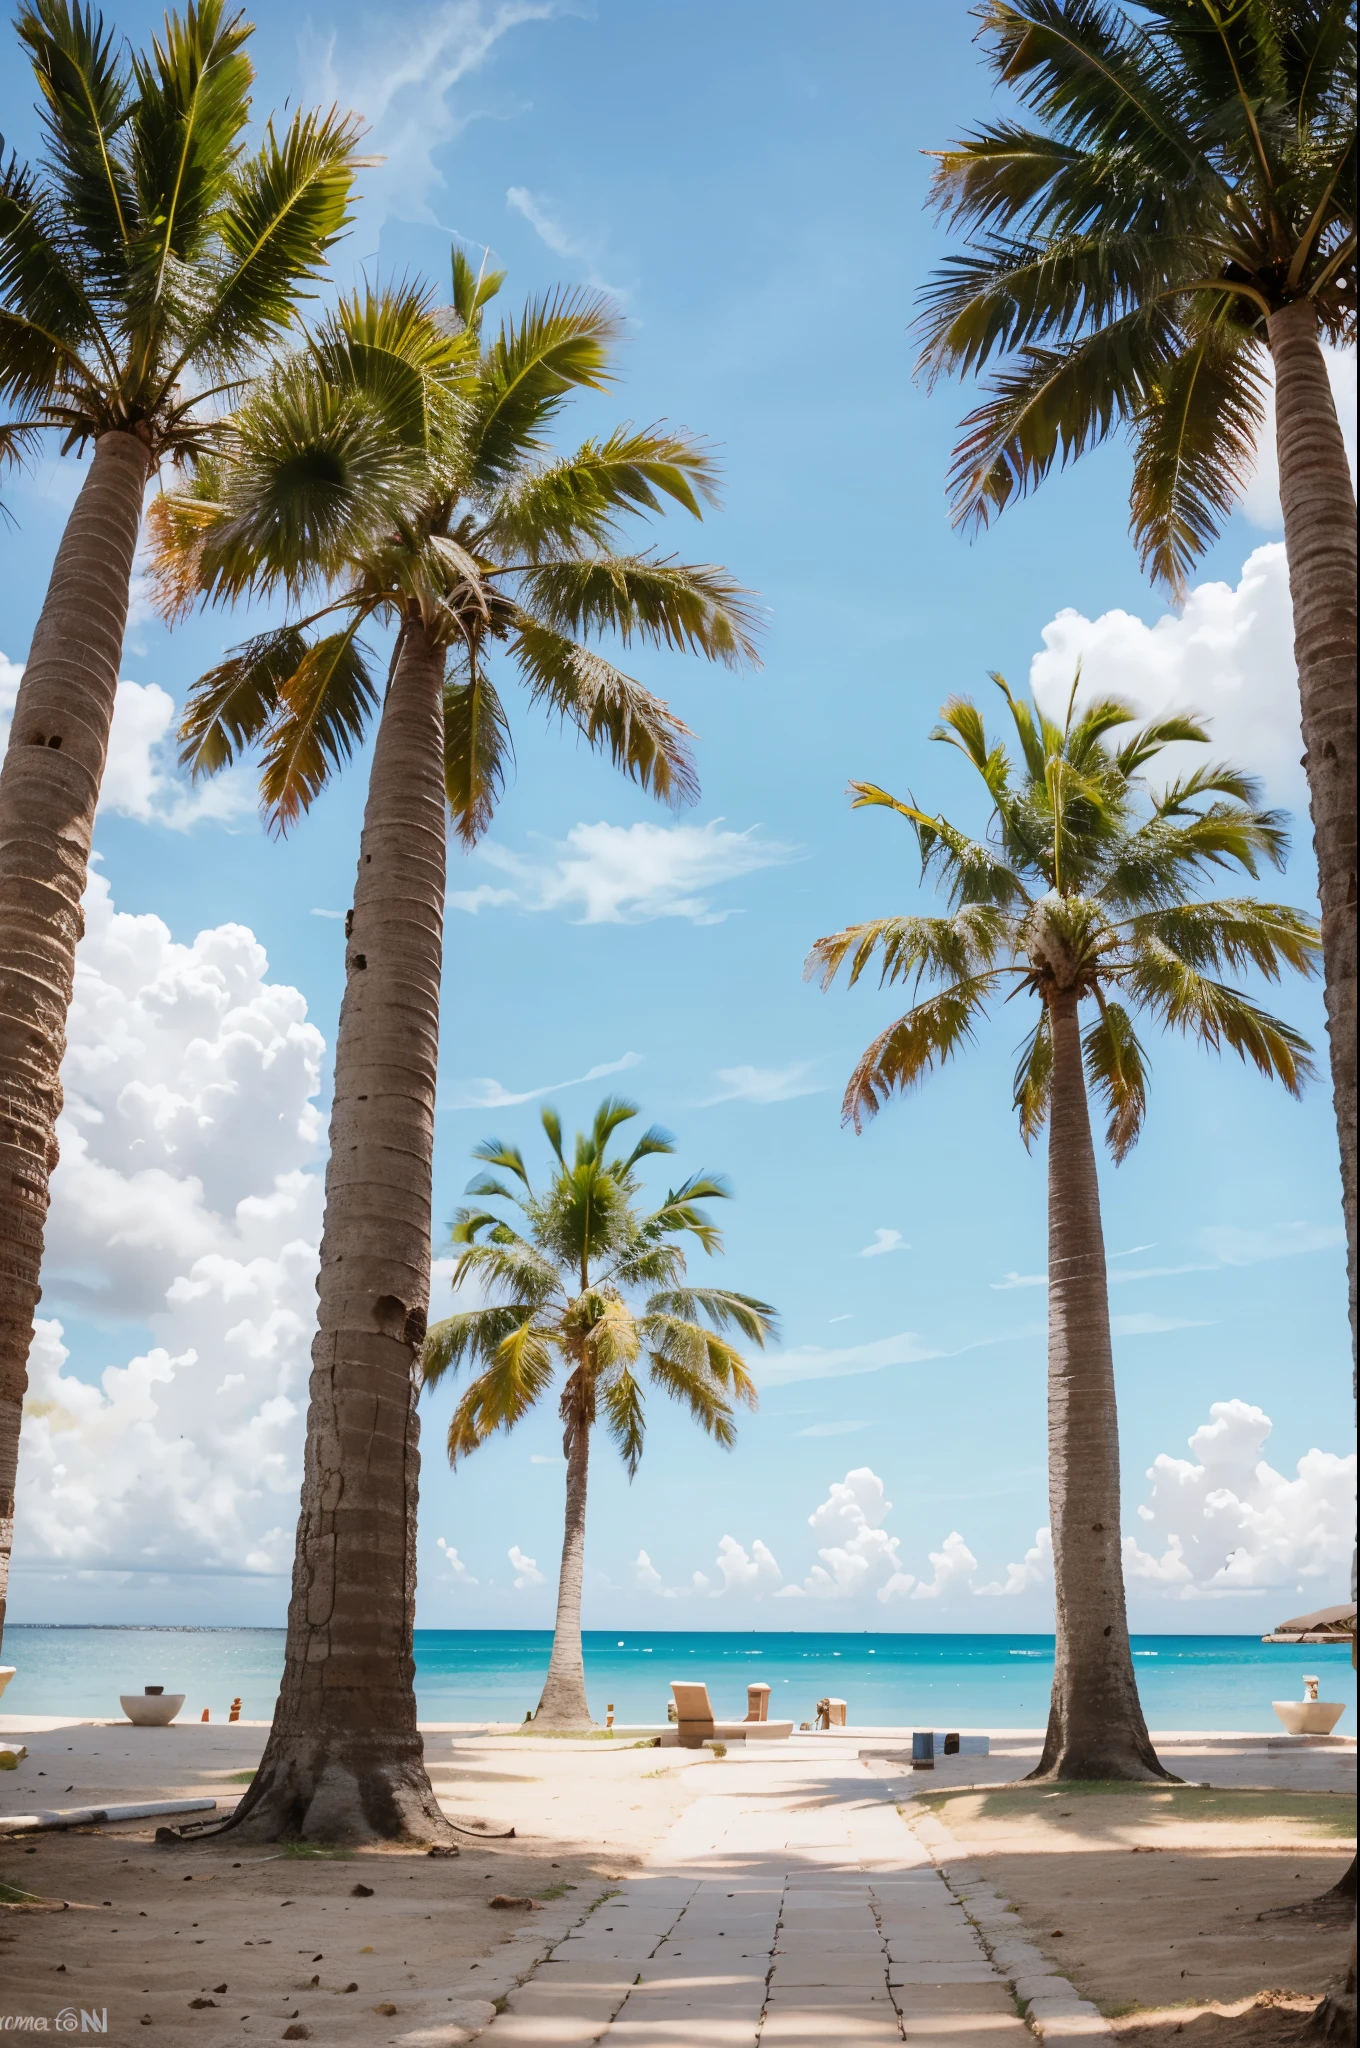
(234, 704)
(324, 707)
(1182, 999)
(691, 607)
(87, 99)
(1116, 1067)
(1196, 437)
(477, 753)
(909, 1049)
(614, 713)
(562, 343)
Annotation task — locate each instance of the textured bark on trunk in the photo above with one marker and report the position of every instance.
(1095, 1722)
(49, 787)
(1335, 2018)
(1318, 502)
(344, 1761)
(563, 1704)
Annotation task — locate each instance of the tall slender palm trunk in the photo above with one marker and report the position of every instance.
(344, 1760)
(564, 1704)
(49, 787)
(1095, 1722)
(1318, 502)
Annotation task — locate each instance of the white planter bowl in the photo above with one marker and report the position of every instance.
(151, 1709)
(1309, 1717)
(7, 1672)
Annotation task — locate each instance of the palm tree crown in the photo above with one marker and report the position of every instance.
(1192, 172)
(398, 466)
(589, 1281)
(1083, 887)
(152, 258)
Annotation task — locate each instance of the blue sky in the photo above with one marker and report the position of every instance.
(749, 183)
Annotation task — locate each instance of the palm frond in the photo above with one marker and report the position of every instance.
(574, 503)
(615, 713)
(1234, 934)
(518, 1376)
(1184, 1000)
(620, 1398)
(477, 753)
(909, 1049)
(324, 707)
(1033, 1085)
(756, 1320)
(694, 608)
(87, 98)
(1116, 1067)
(287, 206)
(913, 948)
(231, 707)
(187, 120)
(471, 1335)
(1195, 437)
(562, 343)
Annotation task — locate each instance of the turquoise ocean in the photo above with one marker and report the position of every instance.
(923, 1681)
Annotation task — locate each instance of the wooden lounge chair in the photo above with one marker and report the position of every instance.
(695, 1723)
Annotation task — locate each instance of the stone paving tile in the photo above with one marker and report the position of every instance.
(964, 2030)
(979, 1971)
(809, 1995)
(845, 2026)
(684, 2030)
(920, 2000)
(791, 1971)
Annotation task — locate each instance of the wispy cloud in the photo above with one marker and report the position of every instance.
(884, 1241)
(1146, 1325)
(570, 243)
(1019, 1280)
(833, 1428)
(1134, 1248)
(817, 1362)
(627, 874)
(484, 1093)
(402, 76)
(328, 913)
(764, 1084)
(1276, 1241)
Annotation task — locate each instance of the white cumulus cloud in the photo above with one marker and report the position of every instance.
(857, 1554)
(626, 874)
(184, 1200)
(1034, 1570)
(1228, 655)
(527, 1572)
(1224, 1521)
(457, 1570)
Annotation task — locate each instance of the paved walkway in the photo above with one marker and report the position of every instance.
(792, 1909)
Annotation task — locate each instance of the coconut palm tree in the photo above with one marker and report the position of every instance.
(145, 267)
(1179, 215)
(398, 470)
(1082, 892)
(586, 1282)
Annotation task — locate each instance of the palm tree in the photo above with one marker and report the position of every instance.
(1082, 891)
(1183, 208)
(397, 469)
(144, 269)
(560, 1281)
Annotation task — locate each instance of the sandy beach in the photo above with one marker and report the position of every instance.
(1142, 1903)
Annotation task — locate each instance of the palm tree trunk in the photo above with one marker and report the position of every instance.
(1318, 502)
(49, 787)
(563, 1704)
(1319, 536)
(1095, 1722)
(344, 1761)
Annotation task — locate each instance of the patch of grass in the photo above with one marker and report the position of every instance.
(1330, 1815)
(15, 1895)
(573, 1734)
(240, 1777)
(502, 2002)
(555, 1891)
